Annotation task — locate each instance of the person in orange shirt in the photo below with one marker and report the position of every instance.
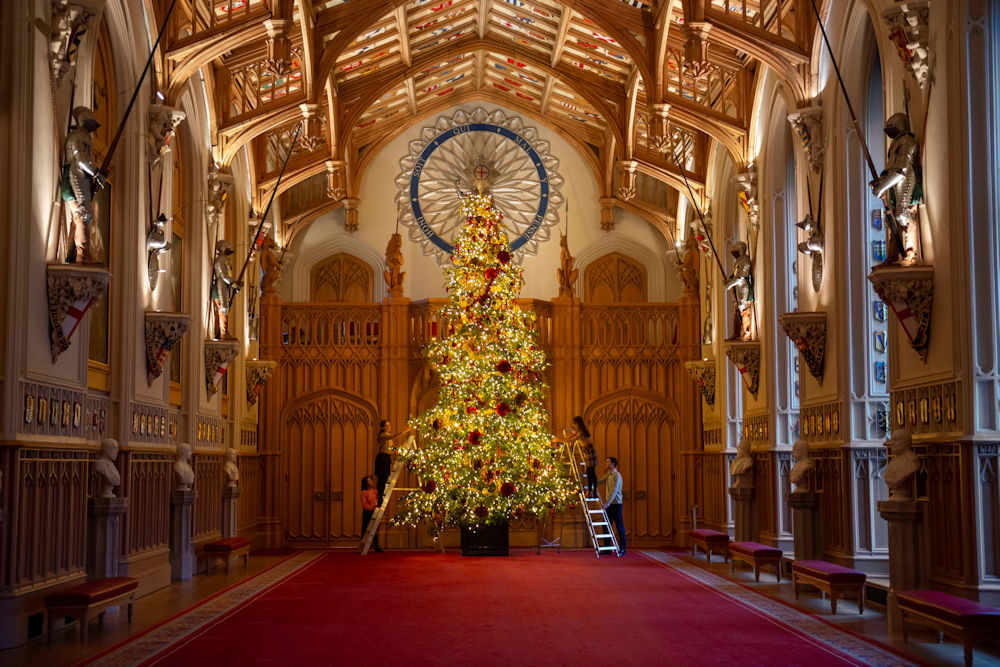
(369, 501)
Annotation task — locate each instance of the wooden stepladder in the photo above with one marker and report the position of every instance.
(390, 486)
(602, 537)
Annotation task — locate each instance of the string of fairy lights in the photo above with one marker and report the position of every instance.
(487, 455)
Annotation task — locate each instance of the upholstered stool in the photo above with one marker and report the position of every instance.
(833, 579)
(82, 600)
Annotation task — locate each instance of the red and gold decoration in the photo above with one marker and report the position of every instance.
(163, 331)
(258, 373)
(487, 455)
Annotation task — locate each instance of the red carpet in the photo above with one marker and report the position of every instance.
(569, 608)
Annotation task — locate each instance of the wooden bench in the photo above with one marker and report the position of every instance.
(960, 619)
(227, 549)
(830, 578)
(756, 555)
(82, 600)
(709, 541)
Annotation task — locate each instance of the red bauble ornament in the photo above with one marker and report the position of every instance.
(491, 274)
(503, 256)
(429, 486)
(503, 409)
(482, 511)
(470, 409)
(504, 366)
(474, 438)
(507, 489)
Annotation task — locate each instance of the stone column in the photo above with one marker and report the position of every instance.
(181, 549)
(104, 535)
(742, 493)
(230, 499)
(805, 524)
(907, 558)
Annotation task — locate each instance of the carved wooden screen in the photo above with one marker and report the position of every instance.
(329, 445)
(341, 278)
(615, 278)
(631, 376)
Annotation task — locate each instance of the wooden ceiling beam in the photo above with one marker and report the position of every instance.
(404, 34)
(560, 43)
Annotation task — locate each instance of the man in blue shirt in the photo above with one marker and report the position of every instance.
(613, 505)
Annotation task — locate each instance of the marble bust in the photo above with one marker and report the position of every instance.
(799, 474)
(230, 469)
(183, 472)
(107, 473)
(903, 464)
(741, 469)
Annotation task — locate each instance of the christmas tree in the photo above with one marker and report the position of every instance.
(487, 455)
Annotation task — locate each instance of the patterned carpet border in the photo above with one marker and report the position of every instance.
(840, 640)
(162, 637)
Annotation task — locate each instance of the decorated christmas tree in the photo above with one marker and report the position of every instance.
(486, 455)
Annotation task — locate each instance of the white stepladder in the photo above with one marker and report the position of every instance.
(390, 486)
(602, 536)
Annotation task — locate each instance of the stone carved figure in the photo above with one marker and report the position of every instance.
(900, 187)
(80, 178)
(903, 464)
(217, 192)
(107, 473)
(270, 265)
(394, 274)
(223, 286)
(183, 472)
(813, 247)
(740, 281)
(799, 474)
(741, 469)
(230, 469)
(688, 266)
(566, 272)
(156, 245)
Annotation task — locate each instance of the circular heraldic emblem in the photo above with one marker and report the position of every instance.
(478, 151)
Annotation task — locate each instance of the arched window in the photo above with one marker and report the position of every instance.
(868, 314)
(104, 97)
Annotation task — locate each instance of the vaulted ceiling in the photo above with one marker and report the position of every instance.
(629, 83)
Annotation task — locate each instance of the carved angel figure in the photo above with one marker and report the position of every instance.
(183, 472)
(80, 177)
(270, 265)
(903, 464)
(799, 474)
(741, 283)
(566, 271)
(394, 274)
(230, 469)
(107, 473)
(688, 266)
(900, 187)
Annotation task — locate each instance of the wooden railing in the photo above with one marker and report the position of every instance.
(652, 325)
(321, 325)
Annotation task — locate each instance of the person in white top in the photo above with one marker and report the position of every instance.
(613, 504)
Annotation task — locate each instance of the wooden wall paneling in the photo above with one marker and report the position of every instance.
(765, 496)
(871, 532)
(987, 498)
(207, 511)
(148, 485)
(47, 518)
(946, 507)
(249, 502)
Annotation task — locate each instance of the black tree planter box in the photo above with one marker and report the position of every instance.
(485, 540)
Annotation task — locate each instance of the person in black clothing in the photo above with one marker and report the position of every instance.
(383, 460)
(590, 453)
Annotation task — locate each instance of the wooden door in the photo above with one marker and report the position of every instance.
(638, 431)
(329, 444)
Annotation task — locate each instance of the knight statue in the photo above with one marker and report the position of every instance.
(901, 188)
(80, 178)
(813, 247)
(156, 245)
(741, 283)
(223, 286)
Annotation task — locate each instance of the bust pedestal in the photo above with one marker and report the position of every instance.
(181, 549)
(230, 498)
(104, 535)
(907, 559)
(744, 512)
(805, 524)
